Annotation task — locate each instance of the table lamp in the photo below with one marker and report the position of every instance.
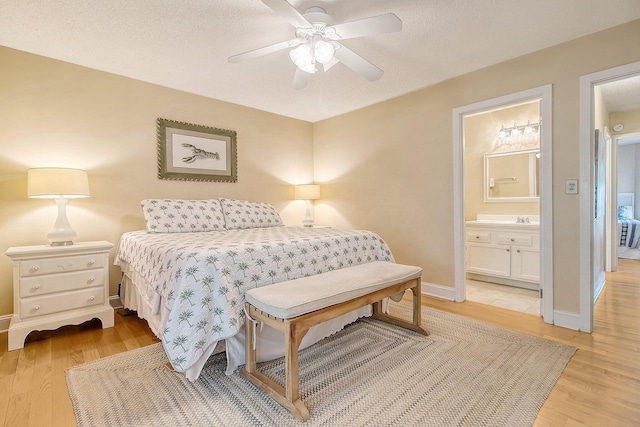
(60, 184)
(307, 192)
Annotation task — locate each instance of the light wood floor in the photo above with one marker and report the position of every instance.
(599, 387)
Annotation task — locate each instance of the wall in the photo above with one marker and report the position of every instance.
(58, 114)
(389, 167)
(627, 159)
(480, 138)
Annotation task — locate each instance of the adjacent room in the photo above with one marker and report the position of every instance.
(288, 212)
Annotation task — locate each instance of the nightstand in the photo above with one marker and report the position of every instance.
(55, 286)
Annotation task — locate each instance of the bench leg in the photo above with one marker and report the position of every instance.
(416, 324)
(289, 395)
(293, 338)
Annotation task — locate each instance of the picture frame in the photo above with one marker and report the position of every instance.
(190, 152)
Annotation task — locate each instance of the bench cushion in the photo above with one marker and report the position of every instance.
(306, 294)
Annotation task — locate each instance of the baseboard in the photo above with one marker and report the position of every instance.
(4, 322)
(566, 319)
(439, 291)
(597, 289)
(116, 302)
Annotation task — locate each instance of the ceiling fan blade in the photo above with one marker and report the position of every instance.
(288, 12)
(300, 79)
(387, 23)
(264, 50)
(358, 64)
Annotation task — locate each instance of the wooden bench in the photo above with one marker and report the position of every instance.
(295, 306)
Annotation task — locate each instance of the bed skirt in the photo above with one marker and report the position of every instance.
(138, 296)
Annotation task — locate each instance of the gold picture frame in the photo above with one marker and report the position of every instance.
(189, 152)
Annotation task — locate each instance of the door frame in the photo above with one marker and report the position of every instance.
(587, 142)
(544, 94)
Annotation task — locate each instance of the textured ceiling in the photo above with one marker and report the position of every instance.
(185, 44)
(622, 95)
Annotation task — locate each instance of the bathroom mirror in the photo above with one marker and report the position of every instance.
(512, 177)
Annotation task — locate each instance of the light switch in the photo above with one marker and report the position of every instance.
(571, 186)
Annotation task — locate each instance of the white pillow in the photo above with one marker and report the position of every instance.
(182, 216)
(244, 214)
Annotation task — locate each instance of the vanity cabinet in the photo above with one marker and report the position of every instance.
(503, 253)
(58, 285)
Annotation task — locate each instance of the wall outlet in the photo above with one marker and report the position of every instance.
(571, 186)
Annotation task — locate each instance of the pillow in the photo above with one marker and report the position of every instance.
(625, 212)
(244, 214)
(182, 216)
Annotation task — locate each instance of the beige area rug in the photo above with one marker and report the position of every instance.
(466, 373)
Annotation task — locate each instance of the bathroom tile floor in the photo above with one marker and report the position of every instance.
(509, 297)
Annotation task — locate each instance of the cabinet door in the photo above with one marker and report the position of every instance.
(525, 264)
(492, 260)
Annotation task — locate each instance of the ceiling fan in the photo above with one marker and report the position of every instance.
(317, 41)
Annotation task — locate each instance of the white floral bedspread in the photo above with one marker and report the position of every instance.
(202, 277)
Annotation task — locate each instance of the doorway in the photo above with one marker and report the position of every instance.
(543, 96)
(590, 241)
(502, 207)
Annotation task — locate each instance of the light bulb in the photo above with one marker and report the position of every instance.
(302, 57)
(324, 51)
(528, 128)
(515, 131)
(503, 133)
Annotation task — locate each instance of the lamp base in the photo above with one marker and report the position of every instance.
(61, 234)
(307, 221)
(69, 243)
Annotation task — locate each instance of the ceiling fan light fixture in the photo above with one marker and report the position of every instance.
(303, 58)
(324, 51)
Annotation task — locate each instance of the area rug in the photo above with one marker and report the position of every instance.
(466, 373)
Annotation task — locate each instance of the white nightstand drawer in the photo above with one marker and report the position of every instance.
(41, 285)
(40, 306)
(60, 265)
(514, 239)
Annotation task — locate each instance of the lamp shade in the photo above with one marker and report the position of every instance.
(51, 183)
(307, 192)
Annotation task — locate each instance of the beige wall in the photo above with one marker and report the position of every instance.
(57, 114)
(629, 119)
(389, 167)
(480, 138)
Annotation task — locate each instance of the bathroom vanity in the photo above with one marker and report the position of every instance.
(504, 249)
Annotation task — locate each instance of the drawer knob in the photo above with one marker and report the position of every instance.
(513, 240)
(35, 268)
(477, 237)
(91, 298)
(36, 307)
(92, 279)
(36, 286)
(508, 250)
(518, 251)
(92, 262)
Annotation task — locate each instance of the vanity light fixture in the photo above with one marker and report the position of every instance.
(517, 130)
(59, 184)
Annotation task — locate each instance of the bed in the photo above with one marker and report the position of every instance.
(628, 227)
(186, 274)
